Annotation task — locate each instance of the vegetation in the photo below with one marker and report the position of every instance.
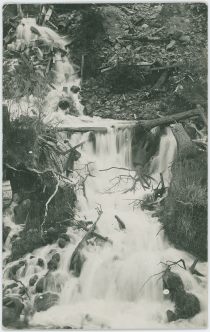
(184, 210)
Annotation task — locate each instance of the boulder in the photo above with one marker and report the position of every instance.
(12, 308)
(61, 242)
(45, 301)
(40, 285)
(51, 235)
(33, 280)
(187, 305)
(75, 88)
(65, 237)
(54, 262)
(40, 262)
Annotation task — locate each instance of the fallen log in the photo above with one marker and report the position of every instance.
(169, 119)
(82, 129)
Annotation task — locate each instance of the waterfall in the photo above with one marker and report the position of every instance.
(111, 291)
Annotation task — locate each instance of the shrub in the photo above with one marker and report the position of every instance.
(184, 213)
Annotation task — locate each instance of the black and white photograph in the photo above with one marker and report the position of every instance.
(104, 165)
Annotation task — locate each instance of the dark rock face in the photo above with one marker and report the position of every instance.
(33, 280)
(45, 301)
(12, 308)
(40, 285)
(187, 305)
(40, 262)
(76, 263)
(21, 211)
(53, 262)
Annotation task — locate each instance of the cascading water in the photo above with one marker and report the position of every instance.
(111, 291)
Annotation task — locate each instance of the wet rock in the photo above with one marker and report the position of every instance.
(10, 286)
(45, 301)
(61, 243)
(12, 308)
(76, 263)
(40, 262)
(40, 285)
(22, 291)
(54, 262)
(187, 305)
(65, 237)
(56, 257)
(13, 270)
(33, 280)
(75, 88)
(51, 235)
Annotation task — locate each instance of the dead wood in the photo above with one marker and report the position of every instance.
(79, 247)
(120, 222)
(169, 119)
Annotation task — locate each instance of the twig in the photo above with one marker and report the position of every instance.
(161, 229)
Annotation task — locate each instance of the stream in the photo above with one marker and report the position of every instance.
(112, 291)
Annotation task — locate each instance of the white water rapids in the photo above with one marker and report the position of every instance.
(111, 290)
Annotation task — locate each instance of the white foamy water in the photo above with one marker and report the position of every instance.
(111, 291)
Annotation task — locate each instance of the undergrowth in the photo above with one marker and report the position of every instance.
(184, 212)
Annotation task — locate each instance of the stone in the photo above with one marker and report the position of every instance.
(51, 235)
(187, 305)
(56, 257)
(53, 262)
(184, 39)
(75, 88)
(12, 308)
(40, 262)
(171, 45)
(10, 286)
(61, 243)
(145, 26)
(33, 280)
(45, 301)
(65, 237)
(40, 285)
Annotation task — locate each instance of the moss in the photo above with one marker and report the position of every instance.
(184, 213)
(27, 242)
